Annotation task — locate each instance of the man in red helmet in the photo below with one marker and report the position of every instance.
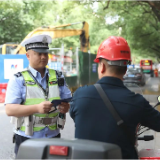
(93, 119)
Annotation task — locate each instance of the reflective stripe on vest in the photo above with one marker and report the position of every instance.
(35, 95)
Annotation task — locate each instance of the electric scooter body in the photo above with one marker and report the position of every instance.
(67, 149)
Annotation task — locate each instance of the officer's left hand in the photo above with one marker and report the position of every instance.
(63, 107)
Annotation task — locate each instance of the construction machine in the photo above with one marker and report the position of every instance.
(54, 32)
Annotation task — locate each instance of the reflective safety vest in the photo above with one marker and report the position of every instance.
(35, 95)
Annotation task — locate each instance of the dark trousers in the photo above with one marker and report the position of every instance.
(19, 139)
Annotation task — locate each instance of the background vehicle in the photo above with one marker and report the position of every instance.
(147, 66)
(134, 75)
(54, 32)
(8, 48)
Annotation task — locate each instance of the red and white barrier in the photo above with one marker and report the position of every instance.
(3, 88)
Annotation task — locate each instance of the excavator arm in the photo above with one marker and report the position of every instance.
(57, 32)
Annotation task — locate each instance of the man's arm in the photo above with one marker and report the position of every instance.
(151, 117)
(73, 105)
(19, 110)
(71, 111)
(16, 94)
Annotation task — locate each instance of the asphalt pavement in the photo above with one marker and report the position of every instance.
(7, 147)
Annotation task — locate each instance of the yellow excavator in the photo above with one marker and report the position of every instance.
(54, 32)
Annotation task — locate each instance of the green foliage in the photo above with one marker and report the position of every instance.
(140, 27)
(18, 18)
(75, 11)
(136, 21)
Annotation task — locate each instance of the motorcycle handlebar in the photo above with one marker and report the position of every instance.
(146, 138)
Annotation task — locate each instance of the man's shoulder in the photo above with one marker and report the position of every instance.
(19, 74)
(85, 90)
(141, 98)
(15, 80)
(18, 77)
(85, 87)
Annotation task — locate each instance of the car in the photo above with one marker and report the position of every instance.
(134, 75)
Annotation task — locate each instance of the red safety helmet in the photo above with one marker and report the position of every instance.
(114, 49)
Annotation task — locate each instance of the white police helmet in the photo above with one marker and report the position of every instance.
(37, 43)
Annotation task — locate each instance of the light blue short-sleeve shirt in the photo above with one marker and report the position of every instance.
(16, 92)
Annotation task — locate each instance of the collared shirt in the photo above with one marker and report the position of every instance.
(93, 120)
(16, 92)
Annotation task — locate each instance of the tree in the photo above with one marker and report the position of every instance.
(140, 23)
(138, 20)
(18, 18)
(75, 11)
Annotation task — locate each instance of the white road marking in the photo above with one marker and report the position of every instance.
(148, 80)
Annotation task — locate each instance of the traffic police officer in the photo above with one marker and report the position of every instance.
(30, 92)
(92, 118)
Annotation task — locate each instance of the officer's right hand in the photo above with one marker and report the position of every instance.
(44, 107)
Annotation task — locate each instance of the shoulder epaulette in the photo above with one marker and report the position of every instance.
(19, 74)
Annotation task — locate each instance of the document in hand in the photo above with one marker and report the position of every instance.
(56, 102)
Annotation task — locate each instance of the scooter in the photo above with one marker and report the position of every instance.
(67, 149)
(77, 148)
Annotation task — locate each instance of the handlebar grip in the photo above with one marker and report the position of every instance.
(146, 138)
